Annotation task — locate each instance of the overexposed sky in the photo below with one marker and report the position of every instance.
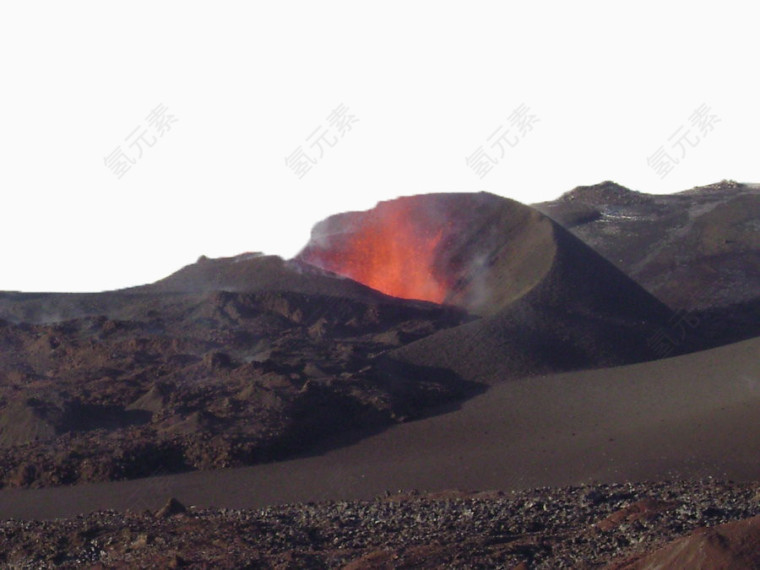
(138, 136)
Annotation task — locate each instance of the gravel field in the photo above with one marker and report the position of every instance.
(576, 527)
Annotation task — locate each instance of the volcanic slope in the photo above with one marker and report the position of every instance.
(689, 417)
(245, 273)
(548, 302)
(694, 249)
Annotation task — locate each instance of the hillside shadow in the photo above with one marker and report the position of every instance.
(448, 392)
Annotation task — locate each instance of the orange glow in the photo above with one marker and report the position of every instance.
(389, 251)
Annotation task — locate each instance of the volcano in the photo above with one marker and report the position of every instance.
(385, 316)
(476, 251)
(411, 346)
(547, 301)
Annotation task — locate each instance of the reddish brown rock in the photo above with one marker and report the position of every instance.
(732, 545)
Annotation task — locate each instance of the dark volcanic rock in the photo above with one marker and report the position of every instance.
(207, 380)
(171, 508)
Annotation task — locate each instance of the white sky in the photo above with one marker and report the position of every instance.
(248, 82)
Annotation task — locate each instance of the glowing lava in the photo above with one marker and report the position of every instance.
(388, 249)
